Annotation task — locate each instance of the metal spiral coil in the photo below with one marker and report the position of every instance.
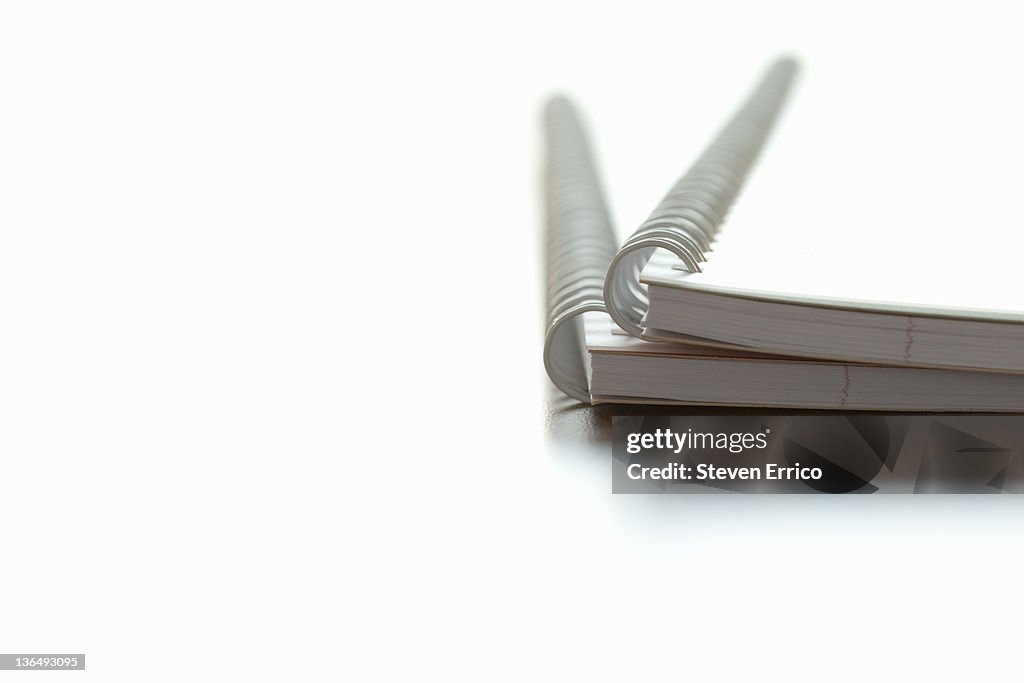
(580, 244)
(688, 218)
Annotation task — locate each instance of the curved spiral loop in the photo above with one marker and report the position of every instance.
(688, 218)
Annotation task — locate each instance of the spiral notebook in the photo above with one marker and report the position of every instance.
(683, 314)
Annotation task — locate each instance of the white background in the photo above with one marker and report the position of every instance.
(270, 380)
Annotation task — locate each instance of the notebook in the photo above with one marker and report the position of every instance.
(753, 315)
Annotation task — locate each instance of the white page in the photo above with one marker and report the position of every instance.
(883, 184)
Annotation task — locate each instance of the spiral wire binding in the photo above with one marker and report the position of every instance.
(688, 218)
(580, 245)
